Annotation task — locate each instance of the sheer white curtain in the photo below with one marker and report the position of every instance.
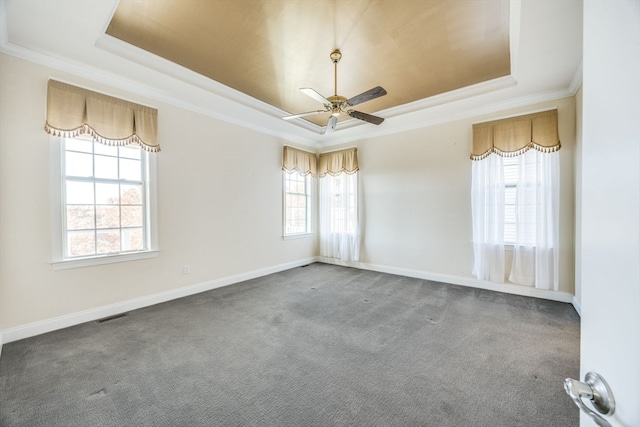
(487, 209)
(339, 229)
(535, 256)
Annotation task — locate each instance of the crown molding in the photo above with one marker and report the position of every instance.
(448, 113)
(221, 102)
(576, 82)
(257, 118)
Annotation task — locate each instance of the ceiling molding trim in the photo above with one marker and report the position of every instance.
(515, 14)
(444, 114)
(142, 57)
(437, 100)
(576, 81)
(113, 80)
(4, 31)
(147, 59)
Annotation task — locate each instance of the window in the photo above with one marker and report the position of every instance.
(515, 199)
(339, 225)
(106, 203)
(297, 203)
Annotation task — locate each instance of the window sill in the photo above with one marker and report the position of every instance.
(101, 260)
(297, 236)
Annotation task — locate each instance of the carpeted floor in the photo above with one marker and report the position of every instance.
(320, 345)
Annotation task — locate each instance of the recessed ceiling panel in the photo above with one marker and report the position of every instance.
(270, 49)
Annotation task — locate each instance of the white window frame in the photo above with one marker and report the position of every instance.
(58, 229)
(309, 194)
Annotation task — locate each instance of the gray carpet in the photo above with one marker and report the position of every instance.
(313, 346)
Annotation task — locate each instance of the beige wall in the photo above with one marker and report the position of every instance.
(219, 206)
(417, 199)
(223, 221)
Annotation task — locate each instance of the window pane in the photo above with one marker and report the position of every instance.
(108, 241)
(107, 194)
(131, 194)
(130, 170)
(107, 216)
(78, 164)
(109, 150)
(297, 203)
(80, 217)
(79, 193)
(106, 167)
(78, 145)
(130, 152)
(131, 216)
(132, 239)
(80, 243)
(97, 204)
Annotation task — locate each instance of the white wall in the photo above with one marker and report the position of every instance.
(610, 203)
(219, 206)
(417, 196)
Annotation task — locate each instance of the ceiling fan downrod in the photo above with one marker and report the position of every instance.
(335, 56)
(337, 101)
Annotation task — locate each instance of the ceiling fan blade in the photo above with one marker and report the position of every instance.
(331, 125)
(315, 95)
(374, 93)
(308, 113)
(366, 117)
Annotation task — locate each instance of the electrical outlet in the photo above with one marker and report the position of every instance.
(186, 269)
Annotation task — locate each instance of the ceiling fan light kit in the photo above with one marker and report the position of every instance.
(336, 104)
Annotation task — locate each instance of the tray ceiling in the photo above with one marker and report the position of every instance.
(270, 49)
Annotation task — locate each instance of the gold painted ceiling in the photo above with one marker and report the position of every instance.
(269, 49)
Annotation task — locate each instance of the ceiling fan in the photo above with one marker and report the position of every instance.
(337, 104)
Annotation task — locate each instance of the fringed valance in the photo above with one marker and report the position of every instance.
(336, 162)
(515, 135)
(300, 161)
(73, 111)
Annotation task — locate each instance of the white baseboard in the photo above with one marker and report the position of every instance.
(576, 304)
(507, 288)
(49, 325)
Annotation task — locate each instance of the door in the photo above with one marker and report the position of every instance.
(608, 203)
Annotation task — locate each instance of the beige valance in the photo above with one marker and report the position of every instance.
(301, 161)
(336, 162)
(73, 111)
(515, 135)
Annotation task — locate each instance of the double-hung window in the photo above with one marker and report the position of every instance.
(102, 177)
(297, 203)
(104, 203)
(299, 169)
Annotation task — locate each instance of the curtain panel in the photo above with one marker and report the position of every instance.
(535, 251)
(337, 162)
(303, 162)
(487, 213)
(339, 224)
(73, 111)
(515, 135)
